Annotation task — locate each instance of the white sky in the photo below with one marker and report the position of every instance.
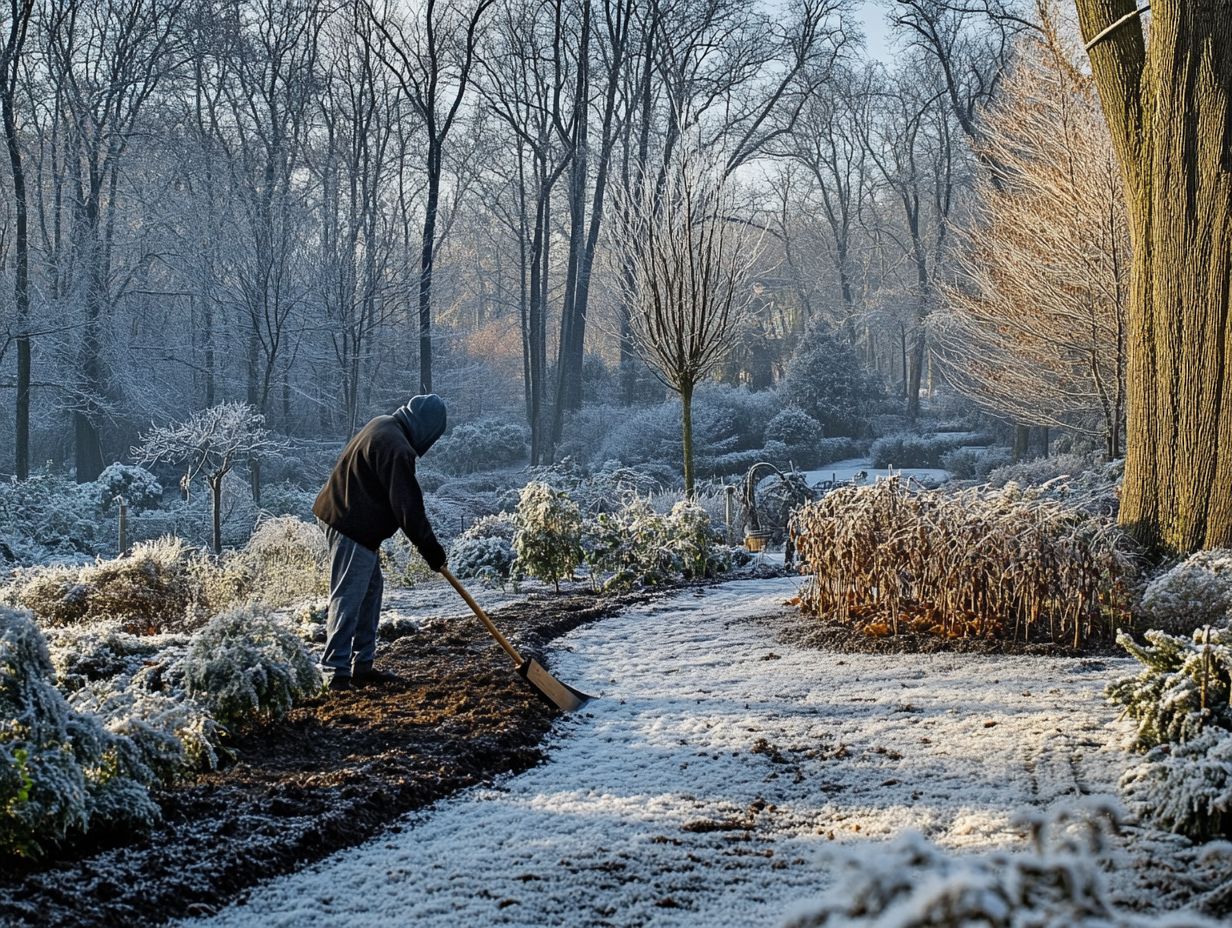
(871, 15)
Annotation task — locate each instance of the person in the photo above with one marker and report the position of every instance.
(372, 493)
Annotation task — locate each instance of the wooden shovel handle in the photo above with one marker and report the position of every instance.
(483, 616)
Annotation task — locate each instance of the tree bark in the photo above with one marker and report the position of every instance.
(686, 429)
(21, 287)
(1169, 107)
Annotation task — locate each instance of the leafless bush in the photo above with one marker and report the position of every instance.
(973, 563)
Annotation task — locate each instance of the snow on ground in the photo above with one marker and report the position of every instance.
(845, 472)
(697, 789)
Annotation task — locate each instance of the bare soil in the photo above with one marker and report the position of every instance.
(334, 773)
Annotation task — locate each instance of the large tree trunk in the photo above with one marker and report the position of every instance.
(426, 260)
(21, 287)
(1169, 107)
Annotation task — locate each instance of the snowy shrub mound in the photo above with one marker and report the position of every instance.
(974, 463)
(139, 488)
(1182, 688)
(910, 450)
(976, 563)
(794, 427)
(82, 654)
(61, 772)
(483, 558)
(829, 381)
(1186, 788)
(285, 562)
(1194, 593)
(488, 444)
(245, 665)
(548, 541)
(913, 884)
(174, 735)
(148, 591)
(47, 516)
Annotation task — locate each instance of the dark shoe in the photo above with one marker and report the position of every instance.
(338, 684)
(370, 676)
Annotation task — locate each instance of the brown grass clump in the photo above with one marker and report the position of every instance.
(973, 563)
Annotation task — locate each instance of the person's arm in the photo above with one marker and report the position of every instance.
(406, 501)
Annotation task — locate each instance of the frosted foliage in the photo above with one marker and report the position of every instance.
(61, 772)
(484, 558)
(83, 654)
(1182, 688)
(286, 561)
(548, 542)
(1194, 593)
(1058, 883)
(146, 591)
(246, 665)
(1186, 788)
(174, 734)
(636, 546)
(139, 488)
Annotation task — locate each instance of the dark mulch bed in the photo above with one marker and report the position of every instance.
(333, 774)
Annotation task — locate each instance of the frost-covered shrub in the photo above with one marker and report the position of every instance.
(971, 563)
(909, 450)
(149, 590)
(548, 542)
(975, 463)
(1186, 788)
(287, 499)
(631, 546)
(911, 883)
(48, 516)
(488, 444)
(245, 665)
(1194, 593)
(1183, 688)
(139, 487)
(487, 558)
(61, 772)
(174, 734)
(286, 561)
(501, 526)
(402, 564)
(828, 380)
(82, 654)
(693, 539)
(793, 426)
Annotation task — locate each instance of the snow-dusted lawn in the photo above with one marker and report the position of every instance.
(714, 765)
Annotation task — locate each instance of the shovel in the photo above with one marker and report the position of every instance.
(561, 695)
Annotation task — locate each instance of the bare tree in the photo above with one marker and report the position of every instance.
(11, 58)
(691, 281)
(210, 444)
(1034, 329)
(433, 58)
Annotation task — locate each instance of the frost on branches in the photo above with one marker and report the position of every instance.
(61, 772)
(1182, 688)
(1186, 788)
(1194, 593)
(246, 665)
(913, 884)
(1180, 701)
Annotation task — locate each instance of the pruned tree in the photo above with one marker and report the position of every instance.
(209, 444)
(1034, 327)
(1168, 104)
(691, 281)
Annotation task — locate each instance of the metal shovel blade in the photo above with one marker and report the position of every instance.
(561, 695)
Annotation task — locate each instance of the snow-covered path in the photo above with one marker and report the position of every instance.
(697, 789)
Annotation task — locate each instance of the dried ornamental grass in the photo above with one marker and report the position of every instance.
(973, 563)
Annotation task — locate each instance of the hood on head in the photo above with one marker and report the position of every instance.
(424, 418)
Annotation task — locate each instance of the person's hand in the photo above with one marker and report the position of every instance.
(434, 554)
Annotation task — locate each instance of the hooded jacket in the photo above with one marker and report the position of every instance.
(373, 491)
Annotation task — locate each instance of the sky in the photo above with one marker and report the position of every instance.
(872, 17)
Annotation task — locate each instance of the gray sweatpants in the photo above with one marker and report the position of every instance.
(355, 588)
